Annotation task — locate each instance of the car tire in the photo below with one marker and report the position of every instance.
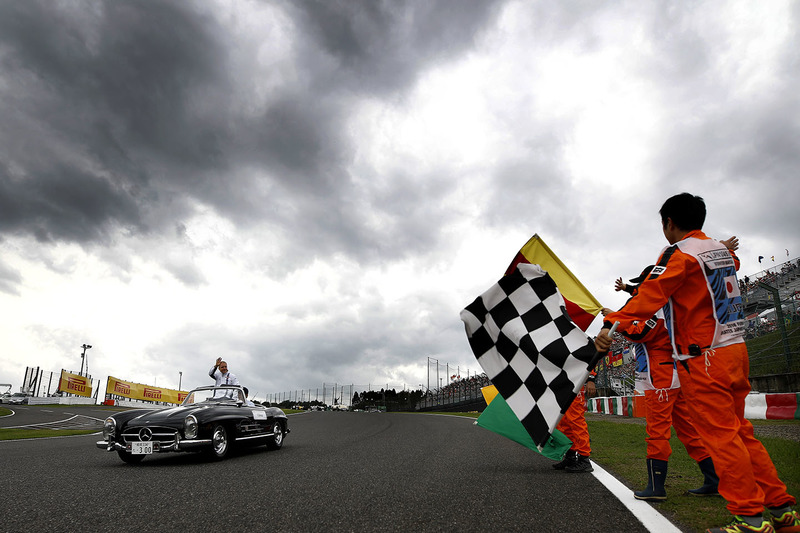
(130, 458)
(220, 442)
(276, 442)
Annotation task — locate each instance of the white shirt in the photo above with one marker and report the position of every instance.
(229, 378)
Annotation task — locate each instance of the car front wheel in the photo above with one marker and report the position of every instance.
(276, 441)
(220, 443)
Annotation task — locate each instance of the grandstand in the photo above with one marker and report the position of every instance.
(759, 297)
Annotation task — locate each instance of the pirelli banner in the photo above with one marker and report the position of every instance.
(75, 384)
(147, 393)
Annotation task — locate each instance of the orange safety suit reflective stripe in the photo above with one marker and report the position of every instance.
(715, 383)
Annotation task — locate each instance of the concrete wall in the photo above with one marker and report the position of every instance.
(776, 383)
(65, 400)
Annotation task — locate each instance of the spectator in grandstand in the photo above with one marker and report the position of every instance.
(665, 403)
(696, 275)
(219, 372)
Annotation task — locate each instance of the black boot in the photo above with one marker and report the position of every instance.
(581, 464)
(710, 479)
(569, 458)
(656, 476)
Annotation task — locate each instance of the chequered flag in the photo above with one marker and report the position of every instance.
(529, 348)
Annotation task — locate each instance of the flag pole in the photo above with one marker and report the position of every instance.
(599, 355)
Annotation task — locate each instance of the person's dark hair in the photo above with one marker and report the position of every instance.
(246, 392)
(688, 212)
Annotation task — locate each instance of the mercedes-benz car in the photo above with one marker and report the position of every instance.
(210, 419)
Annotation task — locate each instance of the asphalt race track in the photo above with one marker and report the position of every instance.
(337, 471)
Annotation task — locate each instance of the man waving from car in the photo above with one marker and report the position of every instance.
(221, 374)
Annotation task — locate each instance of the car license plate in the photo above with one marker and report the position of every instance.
(141, 448)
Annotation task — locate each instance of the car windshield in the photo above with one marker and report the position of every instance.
(214, 394)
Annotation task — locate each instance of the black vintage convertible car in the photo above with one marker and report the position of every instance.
(210, 419)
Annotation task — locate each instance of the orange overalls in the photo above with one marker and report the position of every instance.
(665, 403)
(696, 277)
(573, 424)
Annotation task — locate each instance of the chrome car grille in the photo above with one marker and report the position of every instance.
(164, 436)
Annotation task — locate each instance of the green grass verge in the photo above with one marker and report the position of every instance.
(21, 433)
(620, 449)
(4, 411)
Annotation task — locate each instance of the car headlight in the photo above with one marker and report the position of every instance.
(109, 428)
(190, 427)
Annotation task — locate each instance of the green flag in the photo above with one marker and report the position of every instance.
(499, 417)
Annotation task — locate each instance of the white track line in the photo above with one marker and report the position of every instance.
(643, 511)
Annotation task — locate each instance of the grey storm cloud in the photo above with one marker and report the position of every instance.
(381, 46)
(97, 113)
(119, 114)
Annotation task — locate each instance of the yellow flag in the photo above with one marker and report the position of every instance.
(581, 305)
(489, 393)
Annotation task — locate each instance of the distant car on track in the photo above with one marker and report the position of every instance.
(18, 398)
(210, 419)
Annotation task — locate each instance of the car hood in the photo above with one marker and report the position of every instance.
(171, 416)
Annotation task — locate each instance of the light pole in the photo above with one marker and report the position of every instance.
(83, 356)
(180, 377)
(429, 371)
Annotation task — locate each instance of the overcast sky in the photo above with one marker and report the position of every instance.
(314, 190)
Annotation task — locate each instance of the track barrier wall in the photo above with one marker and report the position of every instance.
(64, 400)
(758, 406)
